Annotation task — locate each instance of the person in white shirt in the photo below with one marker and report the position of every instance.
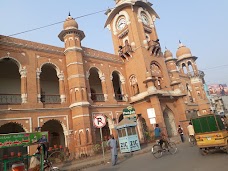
(112, 143)
(191, 134)
(190, 128)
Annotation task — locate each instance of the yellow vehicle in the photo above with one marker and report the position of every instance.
(210, 133)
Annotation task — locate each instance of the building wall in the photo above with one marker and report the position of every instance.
(75, 110)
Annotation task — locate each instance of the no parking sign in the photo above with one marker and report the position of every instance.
(99, 121)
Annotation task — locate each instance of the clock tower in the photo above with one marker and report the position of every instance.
(134, 35)
(135, 39)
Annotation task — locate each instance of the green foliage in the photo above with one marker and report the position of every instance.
(97, 148)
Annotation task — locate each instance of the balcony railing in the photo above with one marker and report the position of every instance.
(97, 97)
(196, 74)
(10, 99)
(50, 99)
(119, 97)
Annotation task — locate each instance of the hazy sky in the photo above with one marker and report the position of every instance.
(201, 25)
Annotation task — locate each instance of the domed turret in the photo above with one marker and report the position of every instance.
(70, 23)
(183, 52)
(70, 26)
(168, 54)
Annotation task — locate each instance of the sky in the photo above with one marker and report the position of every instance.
(201, 25)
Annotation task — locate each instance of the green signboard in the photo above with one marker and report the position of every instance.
(129, 113)
(20, 139)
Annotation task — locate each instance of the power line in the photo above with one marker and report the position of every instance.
(38, 28)
(93, 13)
(215, 67)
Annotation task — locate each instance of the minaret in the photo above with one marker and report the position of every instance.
(195, 86)
(72, 38)
(173, 71)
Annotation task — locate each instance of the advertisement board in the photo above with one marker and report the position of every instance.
(130, 113)
(20, 139)
(218, 89)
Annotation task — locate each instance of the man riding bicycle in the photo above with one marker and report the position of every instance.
(159, 135)
(191, 131)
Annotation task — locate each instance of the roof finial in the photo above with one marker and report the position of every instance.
(69, 14)
(166, 48)
(180, 44)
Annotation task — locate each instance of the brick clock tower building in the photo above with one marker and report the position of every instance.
(62, 89)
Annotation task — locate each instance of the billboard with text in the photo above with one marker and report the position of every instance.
(218, 89)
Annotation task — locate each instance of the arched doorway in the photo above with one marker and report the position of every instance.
(170, 122)
(120, 118)
(12, 128)
(142, 129)
(55, 131)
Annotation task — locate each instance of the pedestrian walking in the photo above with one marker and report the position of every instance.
(112, 144)
(180, 131)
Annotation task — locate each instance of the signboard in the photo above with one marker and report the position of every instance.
(134, 142)
(152, 120)
(218, 89)
(151, 113)
(129, 143)
(99, 121)
(130, 113)
(20, 139)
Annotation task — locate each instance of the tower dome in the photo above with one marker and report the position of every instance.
(183, 52)
(70, 23)
(168, 54)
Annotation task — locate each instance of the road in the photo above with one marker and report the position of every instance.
(186, 159)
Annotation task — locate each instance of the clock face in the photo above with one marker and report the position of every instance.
(121, 23)
(144, 19)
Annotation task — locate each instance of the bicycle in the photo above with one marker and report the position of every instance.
(35, 160)
(192, 140)
(157, 150)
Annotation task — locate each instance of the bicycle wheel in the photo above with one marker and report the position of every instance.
(156, 151)
(172, 147)
(56, 157)
(192, 141)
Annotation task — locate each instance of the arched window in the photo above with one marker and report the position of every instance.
(49, 84)
(80, 138)
(157, 73)
(184, 68)
(190, 66)
(95, 85)
(10, 82)
(87, 136)
(189, 91)
(117, 86)
(134, 85)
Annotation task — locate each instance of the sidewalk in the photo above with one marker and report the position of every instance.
(98, 159)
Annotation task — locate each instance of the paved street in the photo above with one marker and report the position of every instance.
(187, 159)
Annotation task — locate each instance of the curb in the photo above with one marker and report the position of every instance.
(75, 167)
(92, 163)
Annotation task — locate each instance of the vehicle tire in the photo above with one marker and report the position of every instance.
(172, 147)
(156, 151)
(192, 141)
(203, 152)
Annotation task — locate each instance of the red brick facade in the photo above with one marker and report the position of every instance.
(87, 82)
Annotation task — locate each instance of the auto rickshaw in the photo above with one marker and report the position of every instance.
(24, 162)
(210, 133)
